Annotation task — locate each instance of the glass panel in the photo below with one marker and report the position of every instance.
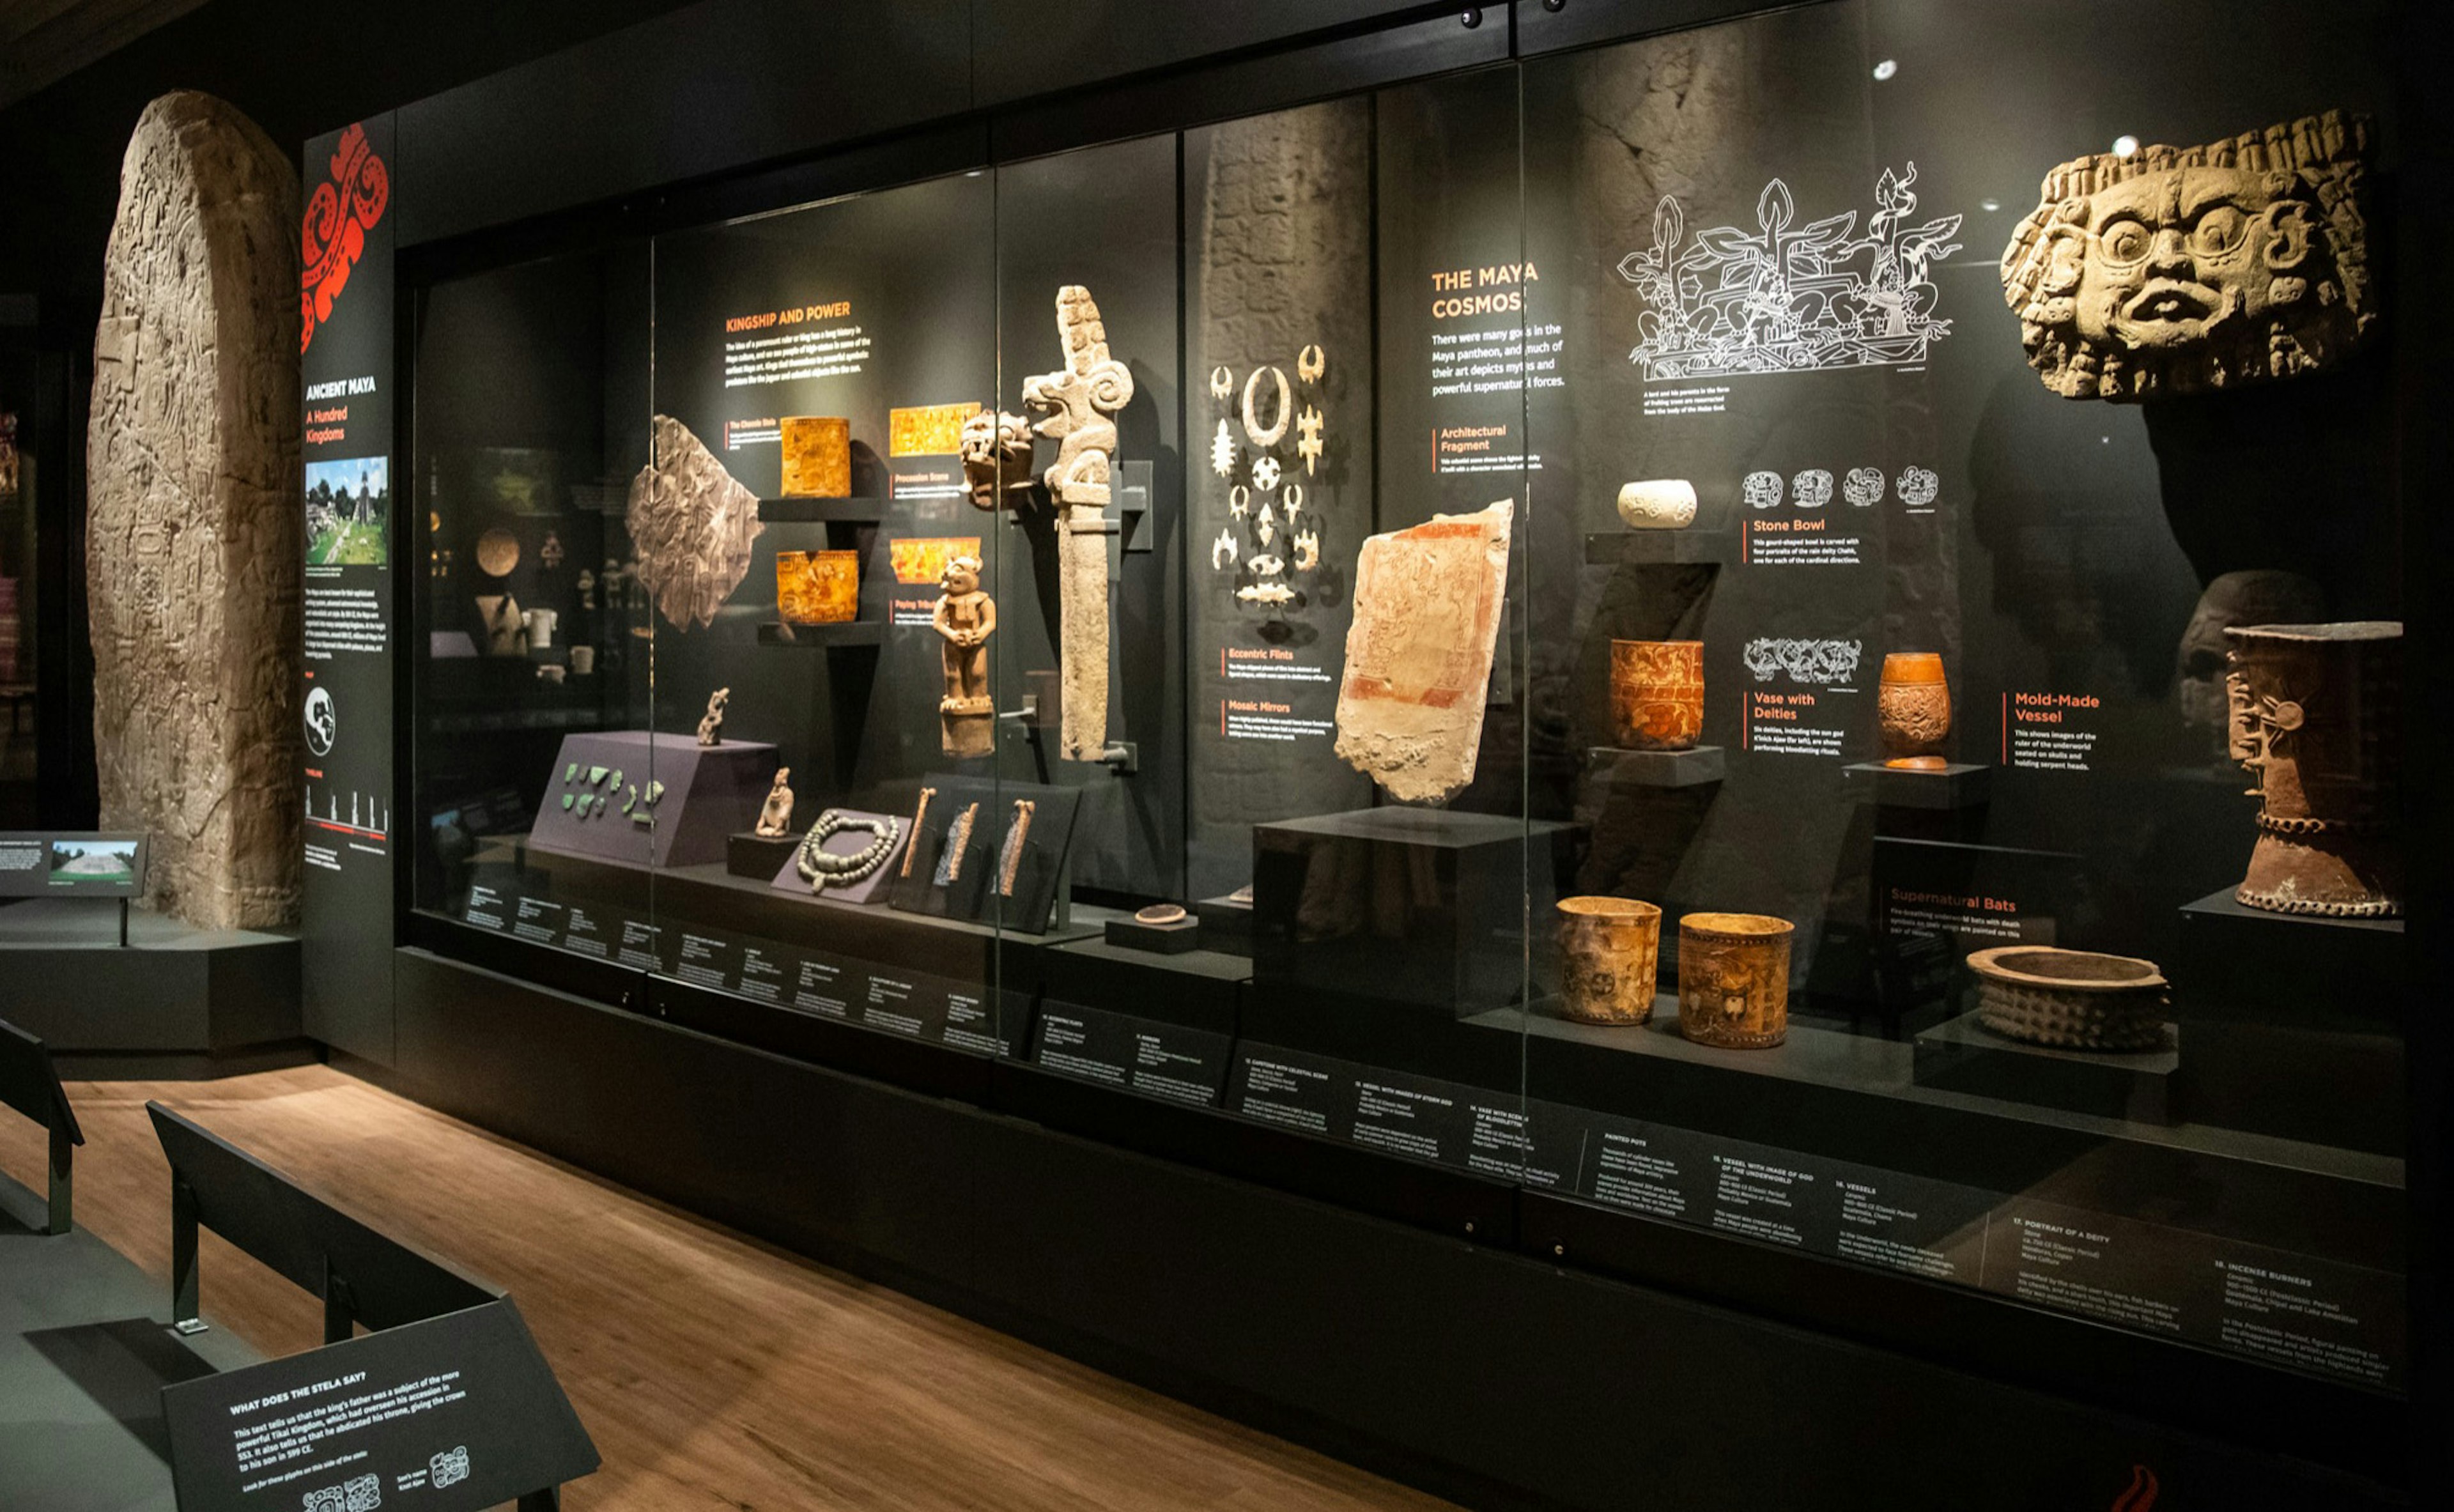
(1961, 793)
(530, 650)
(815, 368)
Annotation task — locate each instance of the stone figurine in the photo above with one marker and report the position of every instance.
(1660, 504)
(1078, 405)
(195, 528)
(2185, 269)
(965, 617)
(2316, 719)
(776, 815)
(712, 722)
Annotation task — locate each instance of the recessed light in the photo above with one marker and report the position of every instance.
(1886, 69)
(2125, 146)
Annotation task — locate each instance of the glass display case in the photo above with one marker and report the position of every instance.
(1788, 630)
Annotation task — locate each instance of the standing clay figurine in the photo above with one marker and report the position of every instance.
(996, 457)
(1610, 952)
(1913, 711)
(1078, 405)
(2190, 270)
(2317, 718)
(776, 815)
(712, 722)
(966, 618)
(1733, 980)
(1664, 504)
(1657, 694)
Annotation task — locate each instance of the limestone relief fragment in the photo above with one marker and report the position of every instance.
(196, 516)
(690, 524)
(1427, 604)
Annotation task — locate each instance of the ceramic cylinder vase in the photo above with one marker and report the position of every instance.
(1657, 694)
(1913, 711)
(2316, 716)
(2075, 999)
(817, 588)
(1610, 949)
(1733, 980)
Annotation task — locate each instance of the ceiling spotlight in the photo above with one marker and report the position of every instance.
(2125, 146)
(1989, 206)
(1885, 70)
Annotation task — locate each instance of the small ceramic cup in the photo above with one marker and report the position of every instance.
(1733, 980)
(1610, 953)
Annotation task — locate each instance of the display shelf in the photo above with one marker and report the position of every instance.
(1131, 933)
(1226, 924)
(1857, 1098)
(1641, 548)
(1198, 989)
(1960, 785)
(1962, 1055)
(851, 634)
(753, 855)
(1692, 767)
(864, 511)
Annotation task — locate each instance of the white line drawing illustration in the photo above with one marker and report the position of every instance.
(451, 1467)
(1763, 489)
(1812, 489)
(1824, 662)
(364, 1493)
(1919, 486)
(1863, 487)
(1790, 300)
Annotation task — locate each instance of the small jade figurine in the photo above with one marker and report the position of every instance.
(776, 816)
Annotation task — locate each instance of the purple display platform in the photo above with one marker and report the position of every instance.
(711, 791)
(849, 843)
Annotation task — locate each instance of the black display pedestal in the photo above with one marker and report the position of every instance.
(1160, 939)
(1226, 924)
(1692, 767)
(1960, 785)
(760, 855)
(1961, 1055)
(2295, 1022)
(1424, 907)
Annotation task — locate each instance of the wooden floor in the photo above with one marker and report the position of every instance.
(712, 1371)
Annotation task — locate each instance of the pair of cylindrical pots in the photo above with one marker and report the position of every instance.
(1733, 970)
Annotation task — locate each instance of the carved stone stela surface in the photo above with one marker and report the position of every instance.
(195, 526)
(1427, 604)
(1078, 405)
(691, 523)
(2182, 269)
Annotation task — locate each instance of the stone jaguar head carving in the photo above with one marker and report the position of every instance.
(2181, 270)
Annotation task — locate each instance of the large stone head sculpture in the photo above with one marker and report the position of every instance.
(2181, 270)
(996, 457)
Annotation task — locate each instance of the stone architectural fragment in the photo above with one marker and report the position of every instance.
(1427, 603)
(195, 523)
(1078, 405)
(2181, 270)
(690, 524)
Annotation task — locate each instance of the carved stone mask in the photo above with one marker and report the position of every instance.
(2176, 270)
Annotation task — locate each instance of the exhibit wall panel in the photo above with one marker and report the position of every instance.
(354, 563)
(712, 89)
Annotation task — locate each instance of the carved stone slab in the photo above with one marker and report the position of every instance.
(195, 526)
(691, 523)
(1427, 604)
